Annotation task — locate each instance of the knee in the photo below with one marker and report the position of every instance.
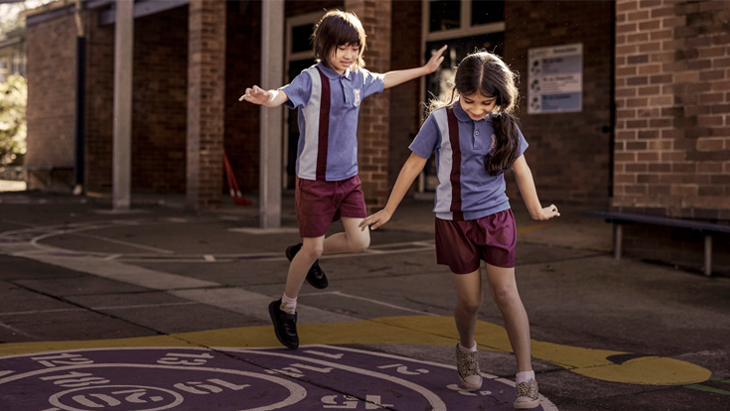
(505, 297)
(312, 252)
(470, 306)
(360, 244)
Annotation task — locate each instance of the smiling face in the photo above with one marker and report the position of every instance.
(477, 106)
(343, 56)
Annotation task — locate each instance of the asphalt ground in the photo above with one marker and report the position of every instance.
(163, 308)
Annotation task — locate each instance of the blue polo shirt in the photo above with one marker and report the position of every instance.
(329, 104)
(466, 191)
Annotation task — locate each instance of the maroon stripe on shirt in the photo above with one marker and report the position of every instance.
(324, 127)
(455, 165)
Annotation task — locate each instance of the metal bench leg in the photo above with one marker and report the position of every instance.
(617, 240)
(708, 255)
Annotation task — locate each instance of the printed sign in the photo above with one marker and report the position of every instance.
(555, 79)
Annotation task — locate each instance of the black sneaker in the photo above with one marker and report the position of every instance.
(285, 325)
(316, 277)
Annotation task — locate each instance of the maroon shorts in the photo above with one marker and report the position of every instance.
(461, 244)
(319, 203)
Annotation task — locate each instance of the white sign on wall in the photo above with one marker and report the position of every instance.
(555, 79)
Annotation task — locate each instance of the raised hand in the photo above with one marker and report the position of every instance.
(435, 61)
(255, 95)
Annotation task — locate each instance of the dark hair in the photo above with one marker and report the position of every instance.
(485, 73)
(337, 28)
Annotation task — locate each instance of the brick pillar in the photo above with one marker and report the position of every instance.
(672, 152)
(373, 126)
(206, 90)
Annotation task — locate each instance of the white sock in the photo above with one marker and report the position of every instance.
(467, 350)
(288, 305)
(524, 376)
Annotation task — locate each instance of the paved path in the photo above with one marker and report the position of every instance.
(160, 308)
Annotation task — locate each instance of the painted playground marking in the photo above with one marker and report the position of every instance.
(29, 242)
(316, 377)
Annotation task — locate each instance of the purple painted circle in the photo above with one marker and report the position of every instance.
(237, 379)
(161, 398)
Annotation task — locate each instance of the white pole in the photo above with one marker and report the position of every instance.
(123, 54)
(272, 67)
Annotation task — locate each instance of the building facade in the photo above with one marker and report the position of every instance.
(624, 102)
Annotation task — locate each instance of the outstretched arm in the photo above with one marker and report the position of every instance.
(393, 78)
(267, 98)
(407, 176)
(527, 188)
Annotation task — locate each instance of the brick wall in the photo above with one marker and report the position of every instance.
(206, 72)
(99, 119)
(51, 102)
(160, 102)
(243, 65)
(405, 109)
(672, 153)
(570, 153)
(373, 125)
(158, 106)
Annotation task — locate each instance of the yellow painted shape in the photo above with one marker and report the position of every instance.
(424, 330)
(589, 362)
(46, 346)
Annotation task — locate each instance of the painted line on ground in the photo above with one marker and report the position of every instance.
(256, 305)
(370, 300)
(126, 243)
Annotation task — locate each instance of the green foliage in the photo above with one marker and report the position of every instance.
(9, 20)
(13, 129)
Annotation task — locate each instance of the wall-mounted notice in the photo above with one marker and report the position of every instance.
(555, 79)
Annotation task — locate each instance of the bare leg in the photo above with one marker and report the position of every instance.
(503, 285)
(302, 262)
(469, 293)
(353, 240)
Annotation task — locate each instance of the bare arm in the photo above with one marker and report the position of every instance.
(411, 169)
(267, 98)
(395, 77)
(527, 188)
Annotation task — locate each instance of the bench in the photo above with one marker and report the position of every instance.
(619, 219)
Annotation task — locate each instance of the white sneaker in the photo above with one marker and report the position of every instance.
(468, 366)
(526, 396)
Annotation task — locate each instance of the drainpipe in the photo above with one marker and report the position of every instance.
(80, 100)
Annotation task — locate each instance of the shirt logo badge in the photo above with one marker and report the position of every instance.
(357, 97)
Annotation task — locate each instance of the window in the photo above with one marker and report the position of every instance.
(301, 38)
(445, 15)
(485, 12)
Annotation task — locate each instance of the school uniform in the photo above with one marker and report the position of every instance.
(327, 183)
(473, 217)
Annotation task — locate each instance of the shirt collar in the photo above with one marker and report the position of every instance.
(331, 73)
(462, 115)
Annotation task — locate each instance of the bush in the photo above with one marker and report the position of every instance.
(13, 129)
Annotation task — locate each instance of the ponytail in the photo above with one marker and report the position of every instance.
(506, 144)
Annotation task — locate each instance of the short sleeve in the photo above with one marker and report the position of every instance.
(427, 138)
(298, 91)
(372, 83)
(522, 144)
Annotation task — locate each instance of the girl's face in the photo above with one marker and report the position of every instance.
(477, 106)
(343, 56)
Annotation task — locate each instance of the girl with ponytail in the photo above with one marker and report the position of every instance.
(476, 138)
